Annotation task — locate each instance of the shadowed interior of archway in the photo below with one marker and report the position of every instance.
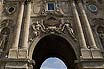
(55, 46)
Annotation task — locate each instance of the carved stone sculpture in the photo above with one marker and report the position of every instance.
(4, 33)
(68, 26)
(37, 27)
(100, 31)
(97, 21)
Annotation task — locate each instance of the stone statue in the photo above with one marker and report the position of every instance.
(4, 35)
(68, 26)
(59, 11)
(37, 27)
(101, 36)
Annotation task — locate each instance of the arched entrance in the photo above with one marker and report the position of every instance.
(54, 46)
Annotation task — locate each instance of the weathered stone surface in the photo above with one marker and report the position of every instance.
(13, 53)
(23, 53)
(86, 54)
(73, 31)
(16, 65)
(92, 64)
(96, 54)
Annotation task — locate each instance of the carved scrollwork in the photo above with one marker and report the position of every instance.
(52, 25)
(37, 27)
(67, 25)
(35, 30)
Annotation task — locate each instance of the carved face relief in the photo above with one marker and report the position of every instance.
(100, 32)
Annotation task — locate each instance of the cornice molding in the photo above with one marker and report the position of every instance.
(19, 0)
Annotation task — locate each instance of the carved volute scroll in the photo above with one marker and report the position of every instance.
(37, 27)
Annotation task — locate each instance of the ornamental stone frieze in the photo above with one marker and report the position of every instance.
(51, 25)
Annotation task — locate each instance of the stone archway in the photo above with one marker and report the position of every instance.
(54, 46)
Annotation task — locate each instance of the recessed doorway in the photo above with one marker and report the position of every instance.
(54, 46)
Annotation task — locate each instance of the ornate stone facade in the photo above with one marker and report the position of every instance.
(34, 30)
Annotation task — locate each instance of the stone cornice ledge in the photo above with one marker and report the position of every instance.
(11, 59)
(19, 0)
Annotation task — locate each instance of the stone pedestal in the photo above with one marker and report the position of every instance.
(30, 67)
(86, 54)
(22, 53)
(13, 53)
(2, 65)
(96, 54)
(16, 65)
(92, 64)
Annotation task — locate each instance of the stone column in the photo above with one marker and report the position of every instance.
(23, 51)
(81, 38)
(13, 52)
(1, 7)
(85, 52)
(18, 27)
(88, 28)
(95, 51)
(26, 24)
